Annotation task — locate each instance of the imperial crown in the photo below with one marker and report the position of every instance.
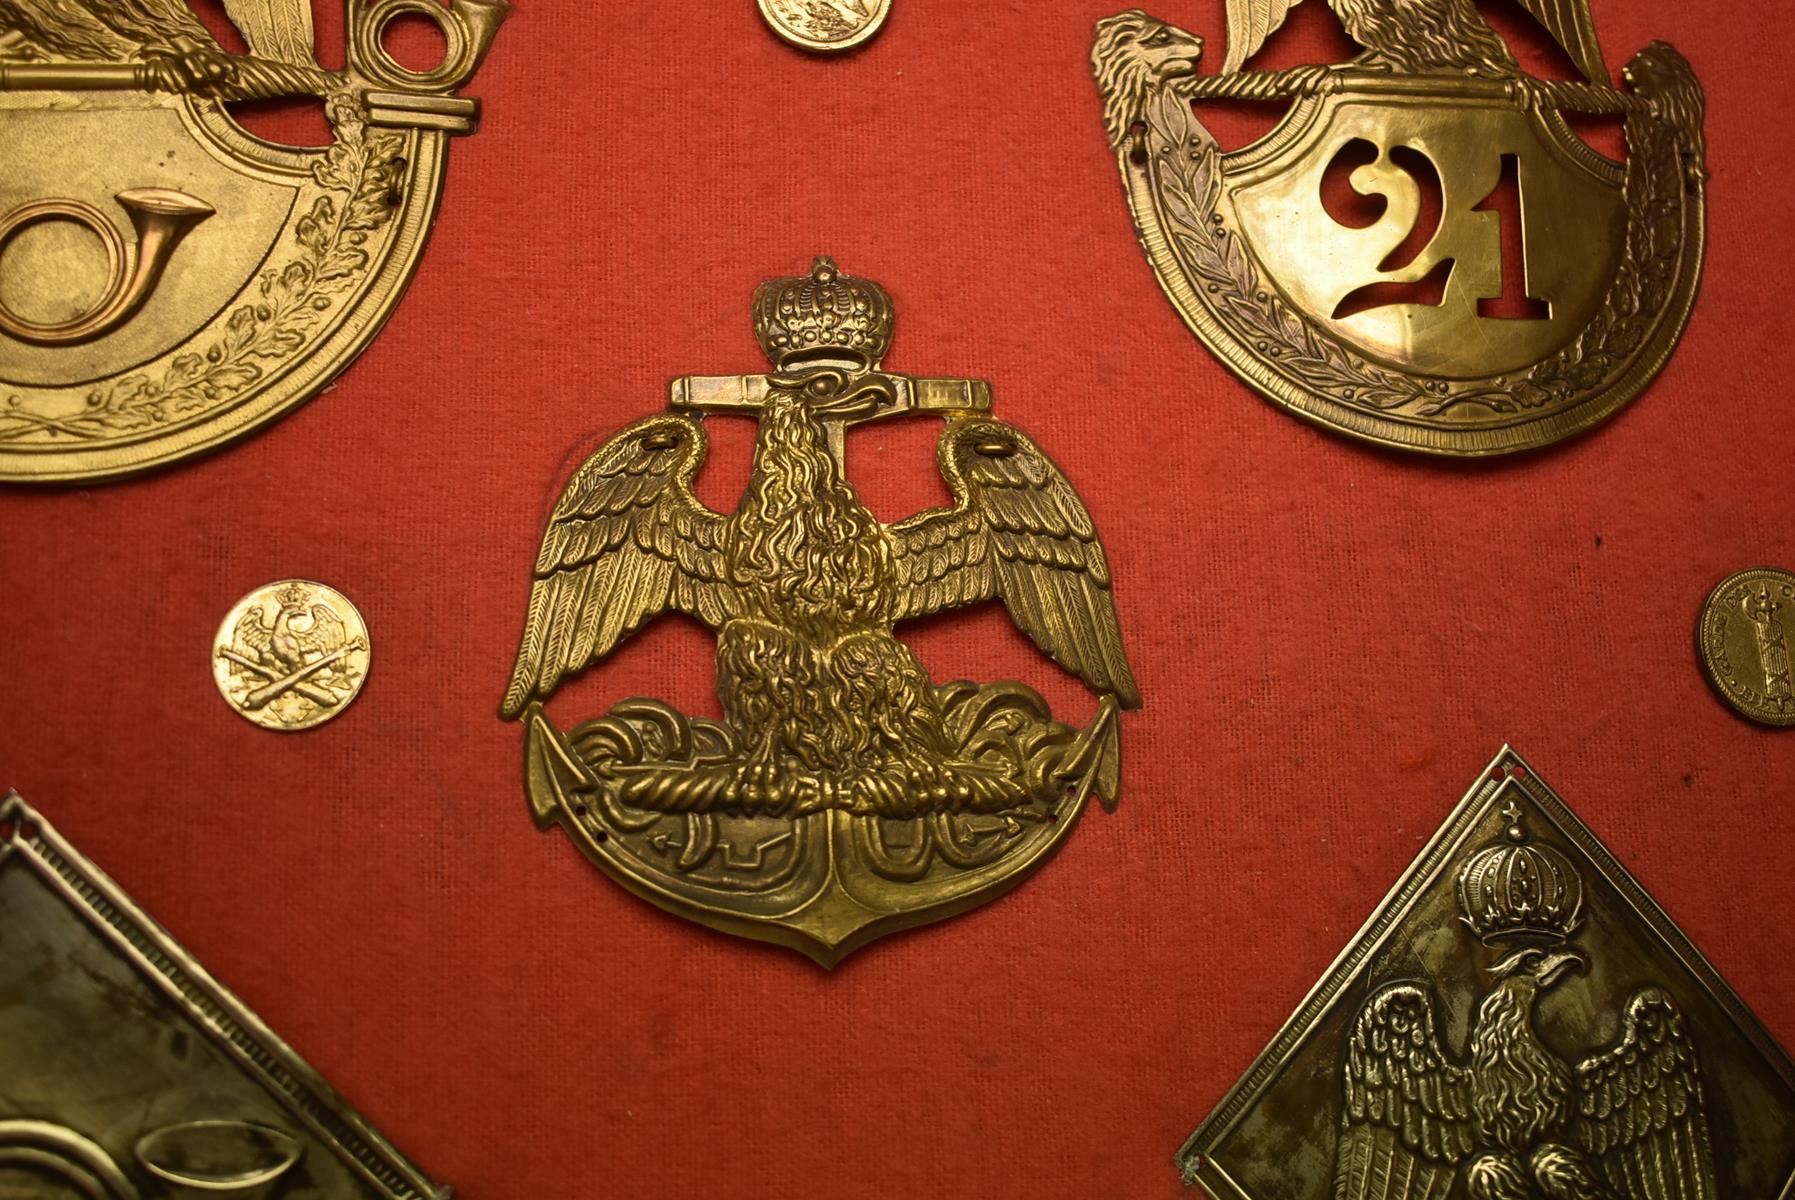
(822, 315)
(1516, 889)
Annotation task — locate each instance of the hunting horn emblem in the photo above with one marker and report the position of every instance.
(239, 277)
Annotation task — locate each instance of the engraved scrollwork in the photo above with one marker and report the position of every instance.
(1006, 726)
(722, 850)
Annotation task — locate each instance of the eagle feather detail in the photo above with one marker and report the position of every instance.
(1017, 531)
(280, 30)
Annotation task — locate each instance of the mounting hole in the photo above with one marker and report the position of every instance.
(400, 33)
(415, 42)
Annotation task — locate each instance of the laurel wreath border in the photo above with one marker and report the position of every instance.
(361, 173)
(1188, 182)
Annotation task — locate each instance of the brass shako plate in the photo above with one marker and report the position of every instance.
(1743, 637)
(844, 795)
(1518, 1020)
(169, 282)
(1387, 323)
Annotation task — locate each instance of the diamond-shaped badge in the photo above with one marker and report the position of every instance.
(1518, 1020)
(127, 1071)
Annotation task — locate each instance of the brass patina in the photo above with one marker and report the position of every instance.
(291, 655)
(1517, 1021)
(129, 1073)
(1743, 638)
(825, 26)
(169, 282)
(843, 796)
(1366, 323)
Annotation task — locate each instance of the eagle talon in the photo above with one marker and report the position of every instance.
(761, 785)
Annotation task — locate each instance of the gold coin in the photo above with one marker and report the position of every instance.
(825, 26)
(1746, 629)
(291, 655)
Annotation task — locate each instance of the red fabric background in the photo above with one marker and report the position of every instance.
(1332, 641)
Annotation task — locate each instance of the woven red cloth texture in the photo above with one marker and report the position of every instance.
(1332, 641)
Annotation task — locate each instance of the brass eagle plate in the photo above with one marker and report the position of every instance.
(127, 1072)
(1397, 322)
(1517, 1021)
(843, 795)
(169, 282)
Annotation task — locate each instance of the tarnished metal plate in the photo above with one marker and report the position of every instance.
(127, 1071)
(1518, 1019)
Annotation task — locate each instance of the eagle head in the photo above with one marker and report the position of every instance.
(1520, 1091)
(1540, 968)
(1132, 53)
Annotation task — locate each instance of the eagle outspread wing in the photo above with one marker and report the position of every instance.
(1573, 26)
(627, 540)
(253, 631)
(276, 29)
(1643, 1115)
(1406, 1121)
(327, 634)
(1017, 530)
(1250, 22)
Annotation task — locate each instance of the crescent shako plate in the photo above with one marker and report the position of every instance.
(1503, 287)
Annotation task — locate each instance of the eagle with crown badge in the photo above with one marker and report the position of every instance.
(825, 707)
(1512, 1120)
(169, 37)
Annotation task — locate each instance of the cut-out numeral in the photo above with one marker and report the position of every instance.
(1514, 304)
(1430, 290)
